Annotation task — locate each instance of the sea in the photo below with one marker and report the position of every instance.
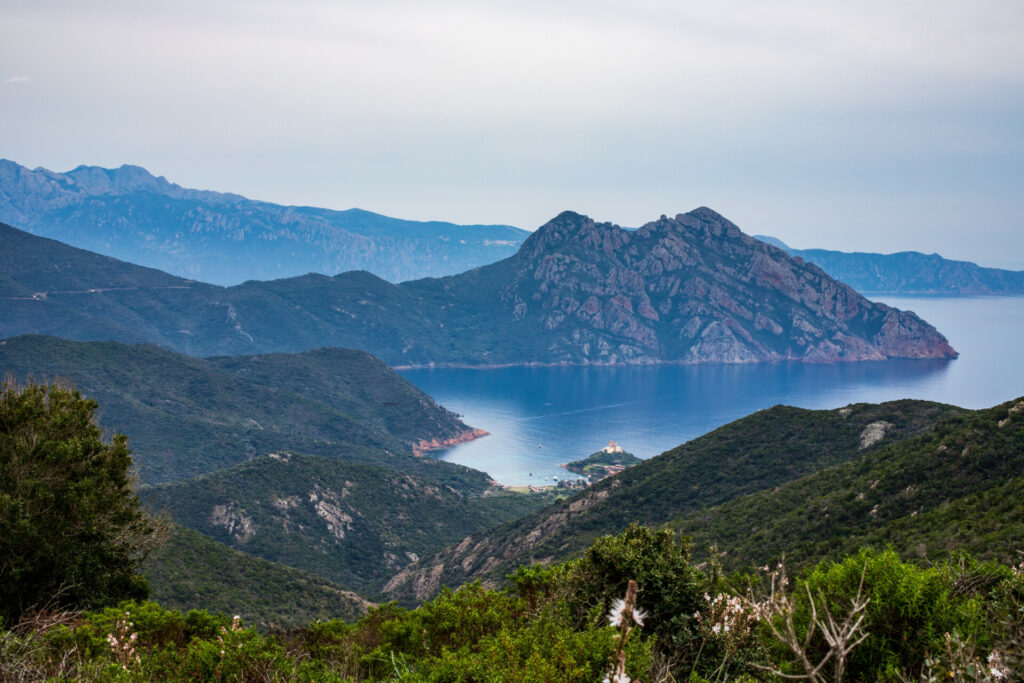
(538, 418)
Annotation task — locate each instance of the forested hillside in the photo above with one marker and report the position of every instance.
(188, 415)
(758, 452)
(354, 524)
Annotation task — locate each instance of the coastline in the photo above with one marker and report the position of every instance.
(648, 362)
(424, 446)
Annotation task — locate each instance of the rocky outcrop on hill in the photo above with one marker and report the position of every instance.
(689, 289)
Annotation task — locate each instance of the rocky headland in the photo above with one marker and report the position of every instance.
(688, 289)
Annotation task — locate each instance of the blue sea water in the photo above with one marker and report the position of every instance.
(540, 417)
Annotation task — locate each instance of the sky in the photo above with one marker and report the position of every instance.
(870, 126)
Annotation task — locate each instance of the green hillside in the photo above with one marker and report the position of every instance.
(353, 383)
(955, 487)
(353, 524)
(186, 416)
(192, 571)
(757, 452)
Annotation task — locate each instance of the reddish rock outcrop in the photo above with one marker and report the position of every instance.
(425, 446)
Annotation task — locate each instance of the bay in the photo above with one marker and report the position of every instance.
(541, 417)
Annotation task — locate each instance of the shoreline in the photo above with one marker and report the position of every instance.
(651, 363)
(424, 446)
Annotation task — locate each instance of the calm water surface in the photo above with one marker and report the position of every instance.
(540, 417)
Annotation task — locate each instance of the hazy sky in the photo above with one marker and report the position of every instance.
(866, 125)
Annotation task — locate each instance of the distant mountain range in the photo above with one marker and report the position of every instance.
(908, 272)
(225, 238)
(690, 289)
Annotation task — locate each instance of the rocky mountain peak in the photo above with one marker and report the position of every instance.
(95, 180)
(573, 229)
(695, 288)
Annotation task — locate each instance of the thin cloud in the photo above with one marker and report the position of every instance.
(18, 79)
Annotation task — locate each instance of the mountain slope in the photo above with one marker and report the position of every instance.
(909, 272)
(192, 571)
(691, 289)
(185, 416)
(758, 452)
(351, 523)
(225, 238)
(928, 494)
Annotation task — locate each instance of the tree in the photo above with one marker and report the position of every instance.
(72, 532)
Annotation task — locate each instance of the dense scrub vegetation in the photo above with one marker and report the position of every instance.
(190, 570)
(956, 486)
(352, 524)
(188, 416)
(755, 453)
(959, 620)
(632, 606)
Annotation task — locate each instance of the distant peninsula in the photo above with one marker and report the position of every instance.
(688, 289)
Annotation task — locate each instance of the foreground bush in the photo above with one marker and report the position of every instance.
(72, 533)
(957, 621)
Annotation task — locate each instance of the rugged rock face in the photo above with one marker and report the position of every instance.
(695, 289)
(480, 554)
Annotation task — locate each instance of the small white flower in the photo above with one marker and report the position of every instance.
(638, 616)
(995, 663)
(615, 616)
(716, 628)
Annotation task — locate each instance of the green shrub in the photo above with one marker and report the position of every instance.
(670, 589)
(72, 533)
(910, 611)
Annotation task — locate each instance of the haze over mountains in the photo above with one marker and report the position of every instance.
(908, 272)
(276, 438)
(225, 238)
(690, 289)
